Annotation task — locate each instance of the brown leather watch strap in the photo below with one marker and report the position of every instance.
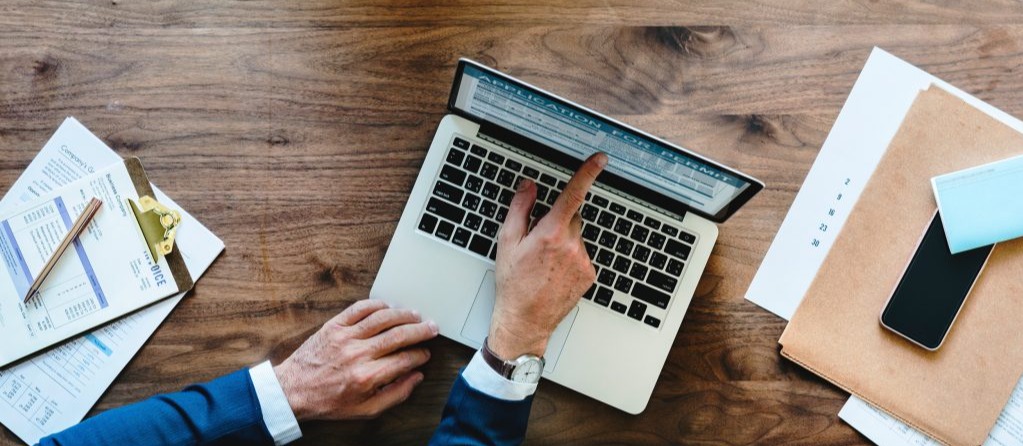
(502, 367)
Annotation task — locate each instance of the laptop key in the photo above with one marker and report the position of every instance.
(445, 210)
(589, 293)
(652, 321)
(624, 246)
(452, 175)
(488, 171)
(675, 267)
(473, 221)
(427, 223)
(480, 245)
(600, 201)
(530, 172)
(548, 180)
(603, 296)
(477, 150)
(591, 232)
(677, 249)
(652, 223)
(638, 271)
(623, 284)
(488, 208)
(606, 219)
(448, 192)
(637, 310)
(661, 281)
(619, 307)
(687, 237)
(506, 197)
(642, 253)
(588, 212)
(456, 156)
(622, 265)
(472, 164)
(506, 178)
(471, 202)
(502, 213)
(650, 295)
(623, 227)
(493, 252)
(656, 240)
(591, 249)
(658, 260)
(639, 234)
(474, 183)
(634, 216)
(670, 230)
(541, 192)
(539, 210)
(461, 237)
(617, 208)
(444, 230)
(605, 257)
(490, 229)
(607, 239)
(562, 185)
(491, 191)
(495, 157)
(460, 143)
(606, 277)
(513, 165)
(552, 197)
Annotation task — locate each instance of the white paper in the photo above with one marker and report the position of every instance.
(54, 390)
(866, 125)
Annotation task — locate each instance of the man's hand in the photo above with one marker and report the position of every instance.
(358, 365)
(541, 274)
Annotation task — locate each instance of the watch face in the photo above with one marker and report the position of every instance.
(528, 371)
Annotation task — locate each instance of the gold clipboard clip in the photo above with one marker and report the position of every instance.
(159, 225)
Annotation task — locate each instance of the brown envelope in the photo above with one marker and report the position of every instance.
(956, 393)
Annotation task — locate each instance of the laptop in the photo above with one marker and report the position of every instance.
(649, 227)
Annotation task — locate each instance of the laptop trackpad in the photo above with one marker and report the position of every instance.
(477, 326)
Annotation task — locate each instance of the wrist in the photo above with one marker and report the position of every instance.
(291, 391)
(508, 345)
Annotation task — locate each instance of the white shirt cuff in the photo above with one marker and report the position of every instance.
(277, 415)
(483, 378)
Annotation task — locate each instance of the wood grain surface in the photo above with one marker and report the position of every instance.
(294, 130)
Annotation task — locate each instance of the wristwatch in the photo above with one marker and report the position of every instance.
(524, 369)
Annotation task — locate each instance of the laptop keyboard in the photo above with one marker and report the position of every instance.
(638, 258)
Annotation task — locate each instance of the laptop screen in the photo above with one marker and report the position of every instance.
(578, 132)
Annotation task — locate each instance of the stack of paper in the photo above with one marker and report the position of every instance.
(54, 390)
(867, 123)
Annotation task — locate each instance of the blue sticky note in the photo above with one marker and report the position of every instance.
(981, 205)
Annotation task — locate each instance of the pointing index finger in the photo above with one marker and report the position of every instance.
(571, 199)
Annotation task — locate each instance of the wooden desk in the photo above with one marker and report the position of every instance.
(294, 130)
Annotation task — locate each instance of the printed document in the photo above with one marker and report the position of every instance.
(52, 391)
(871, 116)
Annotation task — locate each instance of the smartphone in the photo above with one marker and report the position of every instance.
(933, 288)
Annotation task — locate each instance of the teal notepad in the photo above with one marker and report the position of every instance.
(981, 205)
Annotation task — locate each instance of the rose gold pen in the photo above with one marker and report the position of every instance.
(76, 230)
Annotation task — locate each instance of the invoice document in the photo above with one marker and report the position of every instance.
(107, 273)
(52, 391)
(873, 113)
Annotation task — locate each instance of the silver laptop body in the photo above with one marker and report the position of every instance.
(649, 227)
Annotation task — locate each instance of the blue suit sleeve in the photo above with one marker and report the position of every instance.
(472, 417)
(222, 411)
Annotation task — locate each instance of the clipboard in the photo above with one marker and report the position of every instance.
(124, 261)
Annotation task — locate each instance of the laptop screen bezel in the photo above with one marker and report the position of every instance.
(610, 179)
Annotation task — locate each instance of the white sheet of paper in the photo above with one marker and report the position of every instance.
(871, 116)
(54, 390)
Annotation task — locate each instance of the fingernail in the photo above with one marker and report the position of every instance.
(602, 160)
(420, 378)
(433, 327)
(523, 185)
(415, 313)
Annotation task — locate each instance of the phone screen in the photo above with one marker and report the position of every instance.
(933, 288)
